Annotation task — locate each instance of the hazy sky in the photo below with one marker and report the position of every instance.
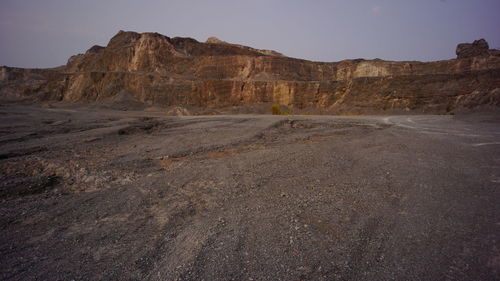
(45, 33)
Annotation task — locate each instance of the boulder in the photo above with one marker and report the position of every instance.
(477, 48)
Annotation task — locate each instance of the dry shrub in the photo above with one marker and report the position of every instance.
(276, 109)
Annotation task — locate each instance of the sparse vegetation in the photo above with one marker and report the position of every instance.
(278, 109)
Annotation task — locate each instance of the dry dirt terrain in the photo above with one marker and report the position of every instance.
(95, 194)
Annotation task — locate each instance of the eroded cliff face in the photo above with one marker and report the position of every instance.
(160, 70)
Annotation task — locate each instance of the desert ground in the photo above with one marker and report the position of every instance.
(99, 194)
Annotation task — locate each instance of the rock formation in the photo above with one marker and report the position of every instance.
(477, 48)
(215, 40)
(164, 71)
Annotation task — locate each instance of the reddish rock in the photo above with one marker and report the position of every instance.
(164, 71)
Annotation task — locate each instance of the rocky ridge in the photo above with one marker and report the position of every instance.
(162, 71)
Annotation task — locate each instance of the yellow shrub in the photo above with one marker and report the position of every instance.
(276, 109)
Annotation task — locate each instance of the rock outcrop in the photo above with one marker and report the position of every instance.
(477, 48)
(164, 71)
(215, 40)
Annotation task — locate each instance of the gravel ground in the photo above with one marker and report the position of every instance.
(95, 194)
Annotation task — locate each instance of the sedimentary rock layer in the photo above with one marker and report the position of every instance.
(159, 70)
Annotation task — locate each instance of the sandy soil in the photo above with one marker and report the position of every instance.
(96, 194)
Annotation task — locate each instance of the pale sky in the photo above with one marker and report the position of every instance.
(45, 33)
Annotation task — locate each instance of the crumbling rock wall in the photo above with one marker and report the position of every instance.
(160, 70)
